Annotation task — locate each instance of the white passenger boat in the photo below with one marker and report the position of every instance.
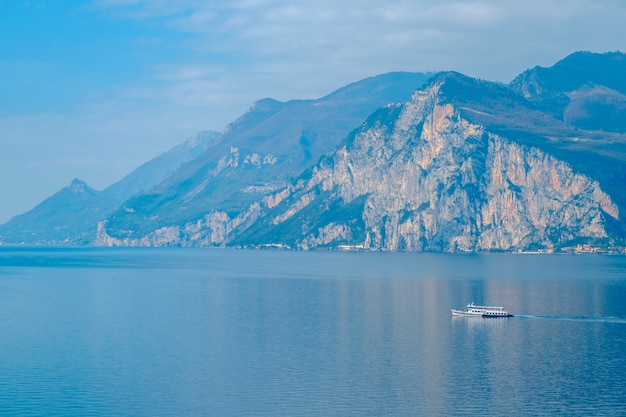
(482, 311)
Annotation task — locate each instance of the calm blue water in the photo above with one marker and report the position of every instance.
(187, 332)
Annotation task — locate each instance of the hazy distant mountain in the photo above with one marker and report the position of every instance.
(71, 216)
(257, 153)
(163, 166)
(463, 165)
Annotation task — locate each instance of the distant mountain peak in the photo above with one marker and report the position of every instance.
(585, 58)
(78, 186)
(266, 102)
(572, 72)
(259, 110)
(380, 85)
(562, 90)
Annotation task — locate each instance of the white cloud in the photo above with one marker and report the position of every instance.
(469, 36)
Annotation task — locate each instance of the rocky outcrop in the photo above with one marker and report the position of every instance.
(433, 181)
(214, 229)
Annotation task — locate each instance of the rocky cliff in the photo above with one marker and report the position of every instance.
(424, 176)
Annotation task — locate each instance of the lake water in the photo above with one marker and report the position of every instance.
(190, 332)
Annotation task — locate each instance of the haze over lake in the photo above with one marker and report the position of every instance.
(187, 332)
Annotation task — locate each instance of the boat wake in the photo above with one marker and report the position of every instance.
(619, 320)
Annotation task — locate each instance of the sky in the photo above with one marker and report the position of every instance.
(92, 89)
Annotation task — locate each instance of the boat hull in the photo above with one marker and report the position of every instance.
(465, 313)
(482, 311)
(457, 313)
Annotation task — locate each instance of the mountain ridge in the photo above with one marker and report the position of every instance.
(71, 216)
(455, 164)
(458, 167)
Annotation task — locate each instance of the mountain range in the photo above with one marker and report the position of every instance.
(71, 216)
(401, 161)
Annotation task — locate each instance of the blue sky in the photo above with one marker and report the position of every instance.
(92, 89)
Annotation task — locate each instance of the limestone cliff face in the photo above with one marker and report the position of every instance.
(418, 177)
(214, 229)
(433, 181)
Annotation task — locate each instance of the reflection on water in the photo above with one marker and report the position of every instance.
(234, 333)
(473, 322)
